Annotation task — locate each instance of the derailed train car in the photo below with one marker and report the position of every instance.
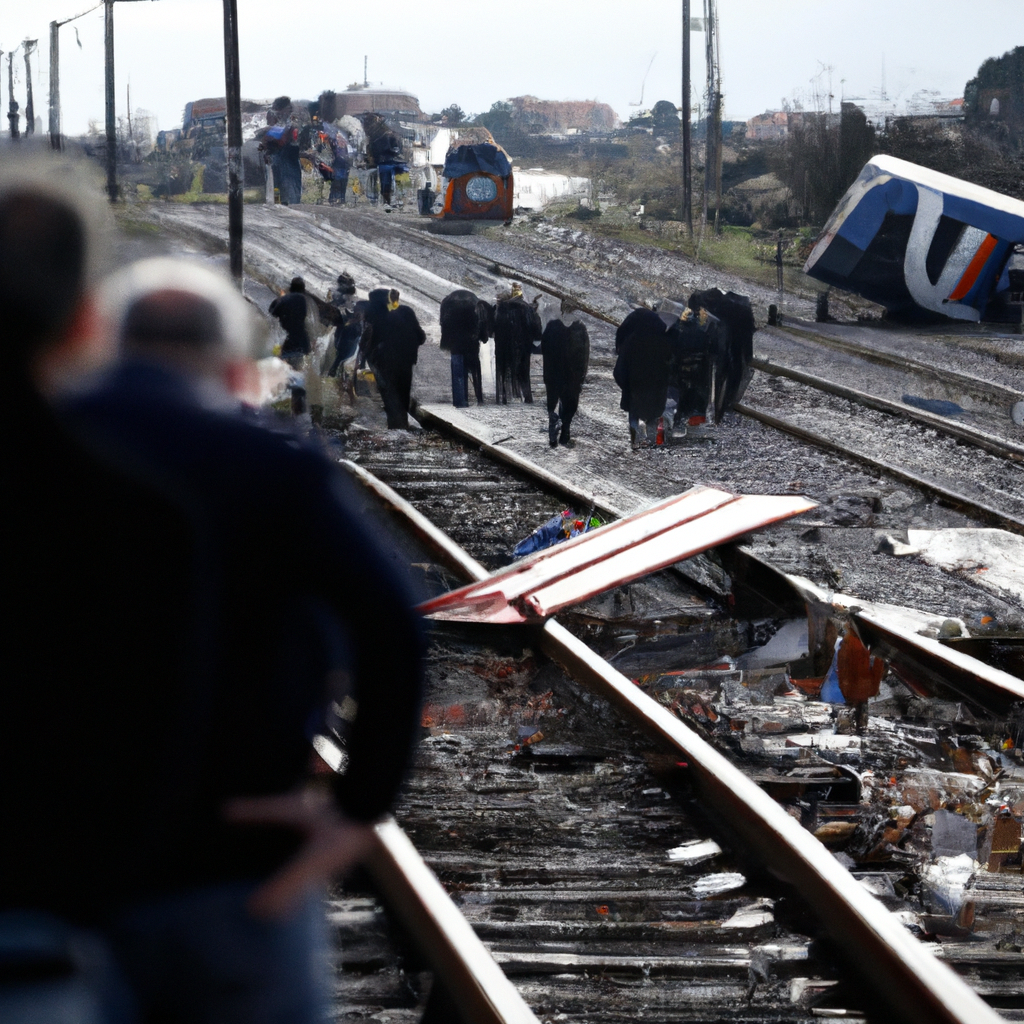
(479, 183)
(922, 243)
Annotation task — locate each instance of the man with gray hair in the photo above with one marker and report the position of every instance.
(233, 932)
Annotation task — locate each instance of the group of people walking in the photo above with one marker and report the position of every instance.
(672, 366)
(515, 325)
(378, 332)
(295, 131)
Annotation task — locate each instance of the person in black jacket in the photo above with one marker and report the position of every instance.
(734, 343)
(348, 332)
(566, 354)
(642, 371)
(392, 351)
(517, 326)
(291, 309)
(249, 841)
(385, 153)
(465, 323)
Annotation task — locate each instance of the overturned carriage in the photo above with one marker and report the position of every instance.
(923, 244)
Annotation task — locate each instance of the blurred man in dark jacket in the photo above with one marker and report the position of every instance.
(105, 629)
(252, 842)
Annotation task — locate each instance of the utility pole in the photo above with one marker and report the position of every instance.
(56, 142)
(54, 118)
(233, 103)
(685, 110)
(108, 38)
(713, 116)
(12, 103)
(29, 46)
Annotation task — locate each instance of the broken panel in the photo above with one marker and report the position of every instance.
(600, 560)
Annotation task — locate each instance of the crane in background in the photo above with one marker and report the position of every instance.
(643, 83)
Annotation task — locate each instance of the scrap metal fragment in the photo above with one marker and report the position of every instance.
(552, 579)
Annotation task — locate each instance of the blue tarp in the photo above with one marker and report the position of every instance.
(482, 158)
(554, 531)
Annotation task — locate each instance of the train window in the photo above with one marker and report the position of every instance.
(944, 241)
(481, 189)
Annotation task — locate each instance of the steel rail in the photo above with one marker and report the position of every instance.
(508, 271)
(952, 377)
(473, 979)
(962, 501)
(979, 438)
(901, 973)
(585, 499)
(895, 633)
(475, 982)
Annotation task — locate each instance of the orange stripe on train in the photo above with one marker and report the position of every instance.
(966, 282)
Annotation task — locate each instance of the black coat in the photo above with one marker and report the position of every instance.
(735, 343)
(566, 354)
(463, 323)
(517, 325)
(397, 334)
(290, 309)
(642, 368)
(277, 628)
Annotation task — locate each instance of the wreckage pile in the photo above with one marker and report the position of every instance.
(922, 792)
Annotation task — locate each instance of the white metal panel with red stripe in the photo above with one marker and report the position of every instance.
(672, 530)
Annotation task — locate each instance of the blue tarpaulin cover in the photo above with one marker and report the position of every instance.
(482, 158)
(554, 531)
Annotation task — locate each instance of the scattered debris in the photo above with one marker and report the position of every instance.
(694, 852)
(718, 884)
(939, 406)
(564, 526)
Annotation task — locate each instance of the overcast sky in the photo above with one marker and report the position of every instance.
(171, 51)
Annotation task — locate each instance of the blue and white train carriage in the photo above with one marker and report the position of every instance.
(920, 242)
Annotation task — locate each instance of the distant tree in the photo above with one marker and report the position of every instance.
(453, 115)
(821, 158)
(498, 120)
(995, 96)
(665, 118)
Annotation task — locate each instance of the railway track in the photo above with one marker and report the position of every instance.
(485, 809)
(985, 481)
(959, 380)
(940, 466)
(976, 471)
(550, 820)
